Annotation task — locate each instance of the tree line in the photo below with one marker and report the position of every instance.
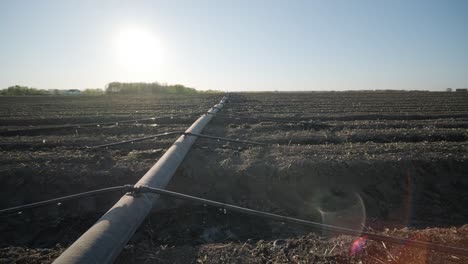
(147, 88)
(22, 90)
(113, 88)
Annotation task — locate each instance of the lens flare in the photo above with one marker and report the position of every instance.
(344, 210)
(357, 245)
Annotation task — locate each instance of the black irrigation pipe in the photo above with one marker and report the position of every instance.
(125, 188)
(104, 241)
(232, 116)
(281, 218)
(227, 139)
(136, 139)
(277, 120)
(180, 133)
(135, 191)
(44, 128)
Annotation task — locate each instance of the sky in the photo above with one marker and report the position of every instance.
(236, 45)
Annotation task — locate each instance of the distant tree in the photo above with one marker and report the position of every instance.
(18, 90)
(211, 91)
(448, 89)
(147, 88)
(93, 92)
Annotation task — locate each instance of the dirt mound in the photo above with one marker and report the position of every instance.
(308, 249)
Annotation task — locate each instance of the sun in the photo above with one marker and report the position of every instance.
(138, 49)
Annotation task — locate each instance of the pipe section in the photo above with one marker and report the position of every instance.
(103, 242)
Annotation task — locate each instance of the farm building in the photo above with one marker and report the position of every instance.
(73, 92)
(462, 90)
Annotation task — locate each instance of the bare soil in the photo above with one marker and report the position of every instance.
(389, 162)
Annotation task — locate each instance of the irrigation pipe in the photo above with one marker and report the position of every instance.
(186, 134)
(21, 208)
(314, 124)
(281, 218)
(13, 132)
(226, 139)
(136, 139)
(103, 242)
(138, 191)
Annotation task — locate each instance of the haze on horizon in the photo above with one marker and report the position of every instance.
(236, 45)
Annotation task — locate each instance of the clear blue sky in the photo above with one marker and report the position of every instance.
(237, 45)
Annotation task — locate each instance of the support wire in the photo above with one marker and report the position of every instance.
(138, 190)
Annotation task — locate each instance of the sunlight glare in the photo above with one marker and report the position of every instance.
(137, 49)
